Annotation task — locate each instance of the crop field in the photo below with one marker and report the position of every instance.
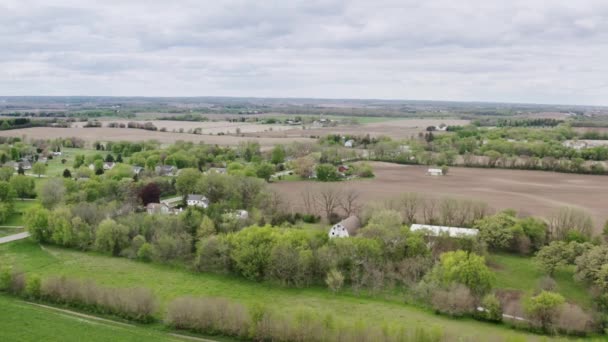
(169, 282)
(207, 127)
(536, 193)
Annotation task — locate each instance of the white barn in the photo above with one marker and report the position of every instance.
(435, 172)
(455, 232)
(345, 228)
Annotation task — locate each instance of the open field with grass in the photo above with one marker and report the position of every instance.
(535, 193)
(17, 218)
(21, 321)
(169, 282)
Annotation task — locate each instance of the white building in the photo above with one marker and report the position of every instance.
(455, 232)
(345, 228)
(197, 201)
(434, 172)
(349, 143)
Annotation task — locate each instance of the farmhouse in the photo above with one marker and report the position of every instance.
(158, 208)
(345, 228)
(455, 232)
(434, 172)
(165, 170)
(197, 201)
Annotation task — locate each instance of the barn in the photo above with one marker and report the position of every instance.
(345, 228)
(454, 232)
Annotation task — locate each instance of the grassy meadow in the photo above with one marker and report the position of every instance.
(169, 282)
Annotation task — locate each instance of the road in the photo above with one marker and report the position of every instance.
(14, 237)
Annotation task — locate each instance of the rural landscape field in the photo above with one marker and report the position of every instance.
(308, 171)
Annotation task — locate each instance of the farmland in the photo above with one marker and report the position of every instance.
(118, 272)
(528, 192)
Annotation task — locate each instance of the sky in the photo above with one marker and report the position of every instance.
(532, 51)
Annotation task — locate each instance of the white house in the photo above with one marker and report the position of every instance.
(350, 143)
(197, 201)
(345, 228)
(158, 208)
(455, 232)
(108, 165)
(434, 172)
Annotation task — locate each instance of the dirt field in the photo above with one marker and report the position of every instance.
(396, 129)
(210, 127)
(529, 192)
(126, 134)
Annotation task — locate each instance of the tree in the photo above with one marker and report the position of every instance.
(109, 158)
(39, 168)
(590, 267)
(349, 203)
(327, 173)
(98, 165)
(304, 167)
(186, 181)
(150, 193)
(496, 230)
(51, 193)
(37, 223)
(67, 173)
(334, 280)
(264, 171)
(78, 161)
(206, 228)
(278, 155)
(545, 308)
(23, 185)
(492, 308)
(444, 170)
(111, 237)
(569, 219)
(554, 255)
(464, 268)
(328, 199)
(119, 158)
(6, 172)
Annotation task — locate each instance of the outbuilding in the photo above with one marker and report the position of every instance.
(345, 228)
(434, 172)
(455, 232)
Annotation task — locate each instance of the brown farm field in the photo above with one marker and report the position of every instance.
(131, 134)
(529, 192)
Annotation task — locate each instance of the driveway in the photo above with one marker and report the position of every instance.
(14, 237)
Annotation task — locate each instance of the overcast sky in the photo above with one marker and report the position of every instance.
(487, 50)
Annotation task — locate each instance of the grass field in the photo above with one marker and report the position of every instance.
(17, 218)
(20, 321)
(169, 282)
(520, 273)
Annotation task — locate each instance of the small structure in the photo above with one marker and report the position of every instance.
(345, 228)
(220, 170)
(57, 153)
(434, 172)
(158, 208)
(454, 232)
(349, 143)
(165, 170)
(197, 201)
(137, 170)
(241, 214)
(343, 168)
(108, 165)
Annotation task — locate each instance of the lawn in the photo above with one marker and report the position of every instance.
(170, 282)
(17, 218)
(521, 273)
(20, 321)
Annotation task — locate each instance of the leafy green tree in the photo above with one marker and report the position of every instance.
(111, 237)
(98, 166)
(23, 185)
(51, 192)
(553, 256)
(120, 171)
(493, 308)
(109, 158)
(278, 155)
(6, 172)
(464, 268)
(497, 230)
(39, 169)
(264, 171)
(37, 223)
(590, 266)
(78, 161)
(327, 173)
(206, 228)
(186, 181)
(334, 280)
(545, 308)
(251, 250)
(67, 173)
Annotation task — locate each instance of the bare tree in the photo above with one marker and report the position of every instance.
(448, 209)
(429, 210)
(308, 201)
(328, 200)
(568, 219)
(410, 203)
(349, 202)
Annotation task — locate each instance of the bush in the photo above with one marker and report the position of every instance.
(144, 253)
(492, 308)
(212, 316)
(544, 309)
(574, 321)
(136, 304)
(32, 286)
(334, 280)
(456, 301)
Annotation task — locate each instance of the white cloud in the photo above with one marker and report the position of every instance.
(517, 51)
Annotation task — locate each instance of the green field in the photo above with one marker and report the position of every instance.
(17, 218)
(169, 282)
(521, 273)
(20, 321)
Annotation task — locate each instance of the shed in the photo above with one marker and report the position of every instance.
(345, 228)
(435, 172)
(455, 232)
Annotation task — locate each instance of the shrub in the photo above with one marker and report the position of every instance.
(574, 321)
(544, 309)
(32, 286)
(456, 301)
(145, 252)
(334, 280)
(214, 316)
(492, 308)
(17, 283)
(547, 283)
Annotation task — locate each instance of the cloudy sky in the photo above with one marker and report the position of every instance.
(487, 50)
